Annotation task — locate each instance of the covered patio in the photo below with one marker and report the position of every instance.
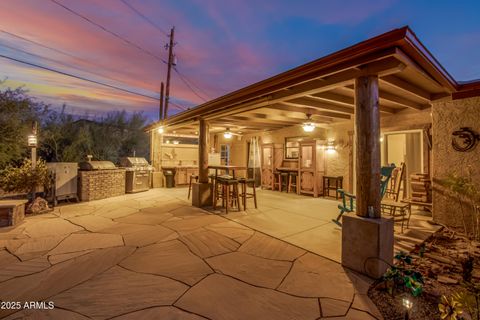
(351, 98)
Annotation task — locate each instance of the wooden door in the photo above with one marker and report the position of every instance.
(267, 166)
(307, 168)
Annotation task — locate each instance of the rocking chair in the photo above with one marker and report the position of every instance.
(348, 199)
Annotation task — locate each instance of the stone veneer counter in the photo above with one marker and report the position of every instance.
(101, 184)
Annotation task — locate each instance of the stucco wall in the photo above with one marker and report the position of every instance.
(449, 116)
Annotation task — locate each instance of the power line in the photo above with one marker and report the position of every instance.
(190, 83)
(144, 17)
(179, 106)
(116, 35)
(79, 77)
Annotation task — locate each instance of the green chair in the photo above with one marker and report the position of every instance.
(348, 199)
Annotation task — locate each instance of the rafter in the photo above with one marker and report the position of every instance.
(306, 110)
(407, 87)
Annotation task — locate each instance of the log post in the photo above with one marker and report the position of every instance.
(203, 152)
(201, 190)
(367, 123)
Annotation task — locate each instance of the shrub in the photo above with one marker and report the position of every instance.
(24, 178)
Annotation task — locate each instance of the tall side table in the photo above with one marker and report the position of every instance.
(332, 183)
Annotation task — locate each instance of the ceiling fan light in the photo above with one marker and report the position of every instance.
(227, 134)
(308, 126)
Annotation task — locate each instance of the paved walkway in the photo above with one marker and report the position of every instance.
(152, 256)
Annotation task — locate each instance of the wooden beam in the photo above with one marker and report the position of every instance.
(319, 105)
(367, 124)
(306, 110)
(407, 87)
(383, 108)
(265, 120)
(402, 101)
(334, 97)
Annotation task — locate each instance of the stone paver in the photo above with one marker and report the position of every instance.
(93, 223)
(232, 230)
(206, 243)
(54, 314)
(152, 235)
(270, 248)
(50, 227)
(18, 269)
(193, 223)
(57, 258)
(118, 291)
(36, 247)
(314, 276)
(333, 307)
(167, 313)
(6, 259)
(171, 259)
(85, 241)
(243, 301)
(147, 218)
(268, 273)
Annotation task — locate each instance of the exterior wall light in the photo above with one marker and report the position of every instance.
(176, 142)
(160, 130)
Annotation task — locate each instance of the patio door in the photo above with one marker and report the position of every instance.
(307, 168)
(267, 166)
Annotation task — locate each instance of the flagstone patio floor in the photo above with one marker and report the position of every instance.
(152, 256)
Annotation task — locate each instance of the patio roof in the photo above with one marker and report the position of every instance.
(410, 78)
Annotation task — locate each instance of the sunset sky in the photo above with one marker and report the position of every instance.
(221, 45)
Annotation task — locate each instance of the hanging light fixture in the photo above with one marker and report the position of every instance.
(308, 126)
(160, 130)
(227, 134)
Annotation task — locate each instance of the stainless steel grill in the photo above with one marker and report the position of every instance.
(137, 175)
(96, 165)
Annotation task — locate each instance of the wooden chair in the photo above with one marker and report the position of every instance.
(228, 195)
(348, 199)
(276, 181)
(283, 182)
(393, 191)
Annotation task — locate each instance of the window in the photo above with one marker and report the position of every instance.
(225, 154)
(292, 147)
(177, 139)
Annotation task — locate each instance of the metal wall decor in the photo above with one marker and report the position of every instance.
(464, 139)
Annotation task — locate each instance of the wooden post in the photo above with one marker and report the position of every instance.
(367, 122)
(203, 152)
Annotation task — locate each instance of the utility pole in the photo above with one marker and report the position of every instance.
(160, 113)
(169, 70)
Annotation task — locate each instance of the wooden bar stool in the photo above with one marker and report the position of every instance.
(276, 181)
(192, 177)
(283, 181)
(245, 195)
(294, 176)
(228, 191)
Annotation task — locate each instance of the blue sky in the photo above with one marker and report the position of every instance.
(222, 45)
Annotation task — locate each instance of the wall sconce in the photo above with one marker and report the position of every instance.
(227, 134)
(160, 130)
(32, 140)
(330, 147)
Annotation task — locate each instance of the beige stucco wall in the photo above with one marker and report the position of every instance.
(449, 116)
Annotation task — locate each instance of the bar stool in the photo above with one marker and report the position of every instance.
(228, 196)
(276, 181)
(245, 195)
(192, 177)
(283, 181)
(291, 184)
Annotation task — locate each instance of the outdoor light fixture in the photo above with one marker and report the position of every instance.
(407, 304)
(32, 140)
(227, 134)
(160, 130)
(308, 126)
(176, 142)
(381, 138)
(330, 147)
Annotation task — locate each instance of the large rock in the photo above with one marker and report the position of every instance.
(118, 291)
(223, 298)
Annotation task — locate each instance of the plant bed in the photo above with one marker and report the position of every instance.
(447, 267)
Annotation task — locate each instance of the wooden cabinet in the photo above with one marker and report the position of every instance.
(271, 158)
(182, 175)
(311, 164)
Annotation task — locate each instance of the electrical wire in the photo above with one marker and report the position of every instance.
(178, 106)
(116, 35)
(189, 86)
(78, 77)
(144, 17)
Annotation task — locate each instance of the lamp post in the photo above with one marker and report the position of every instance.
(32, 143)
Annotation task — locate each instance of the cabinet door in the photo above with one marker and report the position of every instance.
(307, 169)
(267, 167)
